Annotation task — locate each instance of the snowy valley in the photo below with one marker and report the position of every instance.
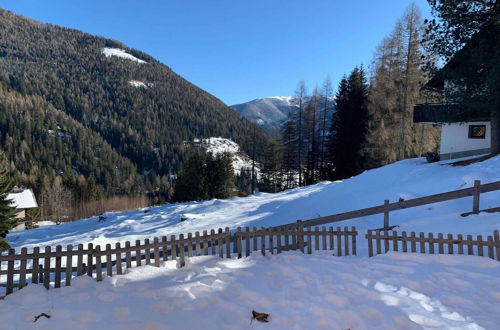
(134, 198)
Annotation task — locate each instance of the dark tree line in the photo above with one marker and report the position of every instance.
(205, 176)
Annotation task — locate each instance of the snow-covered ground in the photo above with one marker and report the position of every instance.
(108, 52)
(300, 291)
(45, 223)
(319, 291)
(407, 179)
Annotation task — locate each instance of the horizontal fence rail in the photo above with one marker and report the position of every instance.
(387, 207)
(449, 244)
(59, 266)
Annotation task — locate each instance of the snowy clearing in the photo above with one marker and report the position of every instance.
(319, 291)
(108, 52)
(409, 178)
(138, 84)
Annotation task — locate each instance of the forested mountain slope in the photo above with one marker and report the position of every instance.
(36, 137)
(138, 106)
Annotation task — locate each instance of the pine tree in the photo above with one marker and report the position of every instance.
(219, 176)
(348, 130)
(271, 172)
(244, 181)
(190, 184)
(205, 176)
(7, 220)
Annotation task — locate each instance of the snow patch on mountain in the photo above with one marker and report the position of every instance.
(108, 52)
(286, 99)
(140, 84)
(136, 83)
(218, 145)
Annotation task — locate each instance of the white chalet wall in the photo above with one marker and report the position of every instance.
(455, 140)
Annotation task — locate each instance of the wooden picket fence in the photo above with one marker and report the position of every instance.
(449, 244)
(46, 266)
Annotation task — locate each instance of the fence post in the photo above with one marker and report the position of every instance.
(220, 242)
(309, 240)
(263, 241)
(156, 254)
(370, 243)
(22, 268)
(271, 240)
(190, 244)
(300, 235)
(57, 275)
(354, 234)
(46, 267)
(475, 196)
(173, 247)
(34, 275)
(90, 259)
(40, 273)
(247, 242)
(386, 214)
(182, 262)
(237, 242)
(10, 272)
(228, 242)
(496, 237)
(197, 243)
(98, 263)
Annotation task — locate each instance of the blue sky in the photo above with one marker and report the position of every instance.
(237, 50)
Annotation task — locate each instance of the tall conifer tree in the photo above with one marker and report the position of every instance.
(349, 125)
(7, 221)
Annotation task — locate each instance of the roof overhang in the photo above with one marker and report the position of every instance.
(445, 113)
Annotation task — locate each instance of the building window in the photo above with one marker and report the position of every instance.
(477, 131)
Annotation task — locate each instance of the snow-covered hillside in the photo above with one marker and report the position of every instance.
(217, 145)
(407, 179)
(299, 291)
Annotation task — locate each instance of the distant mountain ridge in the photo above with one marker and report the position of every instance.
(137, 106)
(269, 112)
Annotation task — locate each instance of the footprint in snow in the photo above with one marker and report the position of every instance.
(423, 310)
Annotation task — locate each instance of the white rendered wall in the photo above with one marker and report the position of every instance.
(455, 138)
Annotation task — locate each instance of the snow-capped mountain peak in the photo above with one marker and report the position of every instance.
(269, 112)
